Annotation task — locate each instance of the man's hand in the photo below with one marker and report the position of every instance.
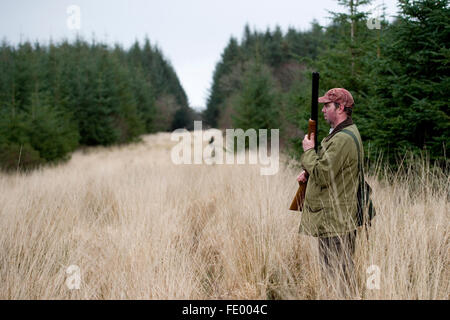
(303, 176)
(308, 143)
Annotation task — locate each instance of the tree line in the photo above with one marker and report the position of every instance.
(56, 97)
(398, 73)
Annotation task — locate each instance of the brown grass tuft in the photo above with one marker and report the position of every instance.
(140, 227)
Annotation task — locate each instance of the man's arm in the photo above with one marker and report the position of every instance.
(323, 169)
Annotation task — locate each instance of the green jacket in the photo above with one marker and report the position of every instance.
(330, 201)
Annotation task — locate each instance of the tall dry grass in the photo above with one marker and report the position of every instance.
(140, 227)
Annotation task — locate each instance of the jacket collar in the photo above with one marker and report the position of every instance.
(347, 122)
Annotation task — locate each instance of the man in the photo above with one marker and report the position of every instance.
(330, 207)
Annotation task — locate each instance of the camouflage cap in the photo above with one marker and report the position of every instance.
(338, 95)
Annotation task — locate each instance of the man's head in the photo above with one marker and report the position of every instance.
(338, 105)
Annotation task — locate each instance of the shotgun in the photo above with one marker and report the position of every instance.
(297, 202)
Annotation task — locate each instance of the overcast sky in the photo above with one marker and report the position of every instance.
(191, 33)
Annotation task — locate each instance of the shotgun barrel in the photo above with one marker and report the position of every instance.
(315, 107)
(299, 198)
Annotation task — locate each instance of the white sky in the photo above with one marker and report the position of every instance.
(191, 33)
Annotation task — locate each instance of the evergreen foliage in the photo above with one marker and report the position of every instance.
(398, 75)
(256, 104)
(54, 98)
(412, 84)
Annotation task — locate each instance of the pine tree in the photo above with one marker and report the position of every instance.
(348, 61)
(256, 106)
(413, 82)
(128, 119)
(50, 131)
(99, 109)
(54, 97)
(230, 59)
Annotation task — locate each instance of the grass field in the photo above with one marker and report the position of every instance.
(139, 227)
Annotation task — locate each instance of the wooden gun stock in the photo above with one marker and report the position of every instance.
(311, 127)
(297, 202)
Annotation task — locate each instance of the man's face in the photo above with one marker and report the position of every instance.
(330, 113)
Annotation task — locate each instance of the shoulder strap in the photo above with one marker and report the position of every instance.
(358, 148)
(364, 188)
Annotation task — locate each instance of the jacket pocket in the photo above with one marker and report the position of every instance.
(314, 210)
(311, 222)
